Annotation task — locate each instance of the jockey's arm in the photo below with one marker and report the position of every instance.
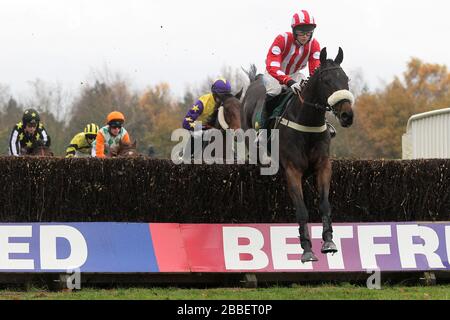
(14, 145)
(274, 59)
(73, 147)
(71, 150)
(100, 146)
(126, 139)
(194, 112)
(211, 119)
(45, 137)
(314, 57)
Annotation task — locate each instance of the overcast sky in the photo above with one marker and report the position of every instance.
(183, 42)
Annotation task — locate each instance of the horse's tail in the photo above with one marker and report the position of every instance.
(251, 73)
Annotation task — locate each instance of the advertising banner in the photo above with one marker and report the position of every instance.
(171, 247)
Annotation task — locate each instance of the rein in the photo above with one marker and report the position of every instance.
(318, 106)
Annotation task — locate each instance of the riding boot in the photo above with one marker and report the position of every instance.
(190, 146)
(191, 141)
(331, 129)
(266, 112)
(268, 108)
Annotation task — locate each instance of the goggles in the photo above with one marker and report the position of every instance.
(303, 33)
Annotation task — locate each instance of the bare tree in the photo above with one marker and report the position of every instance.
(49, 98)
(236, 76)
(5, 95)
(358, 85)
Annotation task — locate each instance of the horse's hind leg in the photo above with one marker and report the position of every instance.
(323, 186)
(294, 180)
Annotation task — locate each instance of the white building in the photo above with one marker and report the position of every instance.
(427, 135)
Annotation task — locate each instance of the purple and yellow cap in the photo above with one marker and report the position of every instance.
(221, 86)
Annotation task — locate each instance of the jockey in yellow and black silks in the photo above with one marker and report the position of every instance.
(27, 134)
(81, 143)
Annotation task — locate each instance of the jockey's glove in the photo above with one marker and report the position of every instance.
(295, 86)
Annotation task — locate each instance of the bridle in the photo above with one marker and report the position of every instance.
(319, 106)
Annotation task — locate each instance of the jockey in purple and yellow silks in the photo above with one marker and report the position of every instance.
(204, 108)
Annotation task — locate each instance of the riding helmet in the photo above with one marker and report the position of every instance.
(30, 116)
(91, 129)
(303, 21)
(221, 86)
(115, 116)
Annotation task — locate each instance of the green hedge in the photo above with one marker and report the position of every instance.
(149, 190)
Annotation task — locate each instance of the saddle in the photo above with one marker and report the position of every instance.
(280, 102)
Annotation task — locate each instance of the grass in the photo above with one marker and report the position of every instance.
(315, 292)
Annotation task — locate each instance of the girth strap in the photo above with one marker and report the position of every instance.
(301, 128)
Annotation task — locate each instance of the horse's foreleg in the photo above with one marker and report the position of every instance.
(294, 179)
(323, 186)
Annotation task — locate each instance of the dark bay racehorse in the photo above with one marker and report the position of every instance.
(305, 140)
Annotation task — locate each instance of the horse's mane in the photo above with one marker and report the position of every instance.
(311, 78)
(252, 73)
(224, 96)
(306, 82)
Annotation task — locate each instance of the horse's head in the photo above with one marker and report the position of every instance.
(229, 113)
(38, 150)
(332, 87)
(127, 150)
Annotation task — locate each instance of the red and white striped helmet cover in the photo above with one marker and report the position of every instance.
(302, 18)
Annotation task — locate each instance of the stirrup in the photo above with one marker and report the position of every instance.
(259, 136)
(261, 142)
(265, 159)
(331, 129)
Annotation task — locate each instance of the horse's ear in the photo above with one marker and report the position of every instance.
(340, 56)
(323, 55)
(239, 94)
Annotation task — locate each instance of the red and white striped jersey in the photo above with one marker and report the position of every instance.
(286, 57)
